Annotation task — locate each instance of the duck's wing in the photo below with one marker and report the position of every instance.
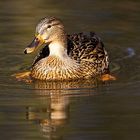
(88, 47)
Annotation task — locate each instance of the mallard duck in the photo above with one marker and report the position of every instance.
(66, 57)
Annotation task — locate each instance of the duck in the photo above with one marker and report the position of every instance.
(66, 57)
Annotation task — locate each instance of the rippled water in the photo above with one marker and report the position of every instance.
(71, 110)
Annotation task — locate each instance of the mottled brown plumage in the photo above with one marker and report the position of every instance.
(68, 57)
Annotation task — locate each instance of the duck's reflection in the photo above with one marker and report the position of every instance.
(54, 113)
(52, 117)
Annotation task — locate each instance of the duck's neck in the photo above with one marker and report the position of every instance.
(58, 49)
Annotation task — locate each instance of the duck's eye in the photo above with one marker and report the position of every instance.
(49, 26)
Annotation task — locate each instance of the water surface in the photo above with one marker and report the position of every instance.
(71, 110)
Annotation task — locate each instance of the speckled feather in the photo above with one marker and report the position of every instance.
(53, 68)
(86, 49)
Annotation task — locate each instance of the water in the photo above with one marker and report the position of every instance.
(71, 111)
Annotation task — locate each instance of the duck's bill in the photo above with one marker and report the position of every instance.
(37, 41)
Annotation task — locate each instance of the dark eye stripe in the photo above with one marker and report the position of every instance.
(49, 26)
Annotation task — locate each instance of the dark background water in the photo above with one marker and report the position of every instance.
(71, 111)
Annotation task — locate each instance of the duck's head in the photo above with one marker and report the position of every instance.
(48, 30)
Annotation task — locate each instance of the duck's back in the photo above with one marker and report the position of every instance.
(88, 48)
